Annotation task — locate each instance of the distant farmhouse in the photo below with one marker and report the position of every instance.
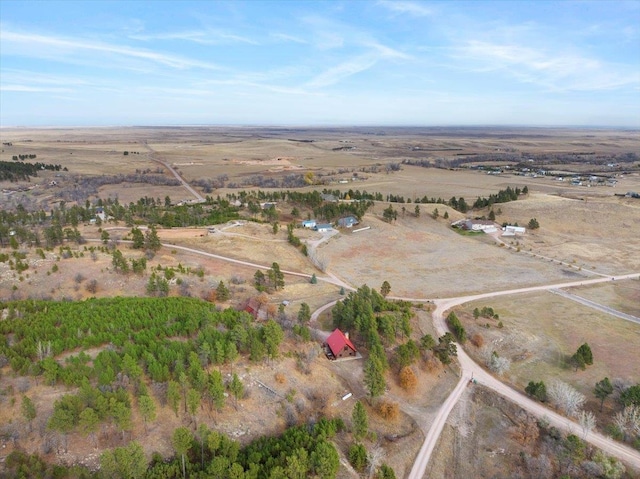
(348, 222)
(476, 225)
(329, 198)
(338, 346)
(308, 224)
(323, 227)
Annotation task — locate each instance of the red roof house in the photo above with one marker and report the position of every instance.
(339, 346)
(256, 309)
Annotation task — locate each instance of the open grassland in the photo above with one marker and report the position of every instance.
(622, 296)
(424, 258)
(542, 330)
(598, 234)
(207, 153)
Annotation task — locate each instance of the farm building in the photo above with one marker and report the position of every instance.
(513, 230)
(476, 225)
(256, 309)
(328, 197)
(323, 227)
(347, 222)
(308, 223)
(338, 345)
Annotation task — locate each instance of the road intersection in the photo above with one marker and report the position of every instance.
(470, 368)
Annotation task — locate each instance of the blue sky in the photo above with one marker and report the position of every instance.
(378, 62)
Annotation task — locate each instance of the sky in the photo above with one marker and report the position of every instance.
(315, 63)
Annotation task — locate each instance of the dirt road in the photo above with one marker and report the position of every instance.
(153, 157)
(470, 369)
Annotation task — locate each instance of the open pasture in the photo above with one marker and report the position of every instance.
(541, 330)
(424, 258)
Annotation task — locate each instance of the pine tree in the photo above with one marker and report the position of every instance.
(222, 292)
(181, 440)
(602, 390)
(374, 376)
(360, 421)
(28, 410)
(237, 389)
(304, 315)
(147, 409)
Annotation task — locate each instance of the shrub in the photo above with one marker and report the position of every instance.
(389, 410)
(408, 379)
(477, 340)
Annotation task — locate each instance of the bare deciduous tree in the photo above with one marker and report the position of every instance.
(565, 397)
(628, 420)
(319, 261)
(495, 363)
(539, 467)
(587, 422)
(374, 459)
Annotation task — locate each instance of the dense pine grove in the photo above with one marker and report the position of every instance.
(160, 334)
(19, 171)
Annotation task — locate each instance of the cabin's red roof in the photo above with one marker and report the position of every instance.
(337, 341)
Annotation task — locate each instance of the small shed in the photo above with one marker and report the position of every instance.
(338, 345)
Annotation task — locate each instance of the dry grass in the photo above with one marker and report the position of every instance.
(424, 258)
(541, 330)
(420, 257)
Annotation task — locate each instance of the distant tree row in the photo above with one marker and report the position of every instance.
(24, 171)
(503, 196)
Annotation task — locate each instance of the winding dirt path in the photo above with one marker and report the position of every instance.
(470, 368)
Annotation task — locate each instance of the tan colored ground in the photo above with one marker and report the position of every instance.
(599, 234)
(420, 257)
(424, 258)
(541, 330)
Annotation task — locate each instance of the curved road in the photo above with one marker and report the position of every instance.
(470, 368)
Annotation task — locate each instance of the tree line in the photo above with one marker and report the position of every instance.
(21, 171)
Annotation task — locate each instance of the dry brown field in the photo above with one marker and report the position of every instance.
(243, 152)
(590, 229)
(541, 330)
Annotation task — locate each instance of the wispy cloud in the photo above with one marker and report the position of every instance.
(34, 89)
(387, 52)
(45, 46)
(343, 70)
(287, 38)
(204, 37)
(410, 8)
(559, 71)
